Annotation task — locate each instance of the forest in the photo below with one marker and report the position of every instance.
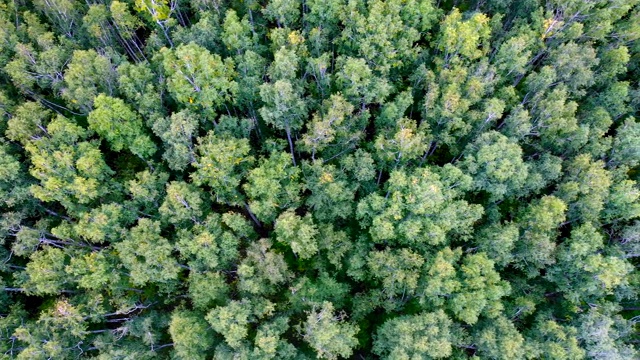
(319, 179)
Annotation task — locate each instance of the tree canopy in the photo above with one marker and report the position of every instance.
(332, 179)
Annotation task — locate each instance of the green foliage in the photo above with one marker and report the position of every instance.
(463, 39)
(496, 165)
(273, 186)
(332, 193)
(263, 270)
(104, 223)
(88, 75)
(328, 333)
(206, 289)
(120, 126)
(196, 77)
(420, 208)
(551, 340)
(582, 273)
(468, 289)
(499, 339)
(421, 336)
(231, 321)
(182, 203)
(297, 232)
(585, 188)
(534, 250)
(222, 163)
(394, 179)
(284, 108)
(45, 273)
(177, 133)
(70, 170)
(28, 122)
(191, 335)
(329, 126)
(147, 255)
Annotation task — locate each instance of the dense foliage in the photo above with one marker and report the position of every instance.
(399, 179)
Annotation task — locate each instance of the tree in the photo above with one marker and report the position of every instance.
(205, 32)
(421, 207)
(406, 143)
(386, 33)
(58, 330)
(269, 343)
(263, 271)
(306, 293)
(551, 340)
(113, 120)
(14, 186)
(499, 339)
(205, 246)
(538, 230)
(251, 69)
(147, 189)
(285, 13)
(70, 170)
(398, 273)
(9, 38)
(468, 289)
(626, 150)
(623, 199)
(629, 242)
(573, 64)
(498, 241)
(358, 84)
(96, 24)
(322, 20)
(94, 271)
(461, 40)
(554, 120)
(236, 35)
(105, 223)
(452, 103)
(45, 273)
(64, 14)
(297, 232)
(147, 255)
(420, 336)
(28, 122)
(332, 193)
(221, 165)
(481, 290)
(160, 12)
(232, 321)
(191, 335)
(585, 188)
(138, 85)
(496, 165)
(207, 289)
(284, 108)
(514, 54)
(40, 62)
(582, 273)
(177, 133)
(195, 77)
(603, 335)
(331, 125)
(126, 25)
(328, 333)
(273, 187)
(182, 203)
(88, 75)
